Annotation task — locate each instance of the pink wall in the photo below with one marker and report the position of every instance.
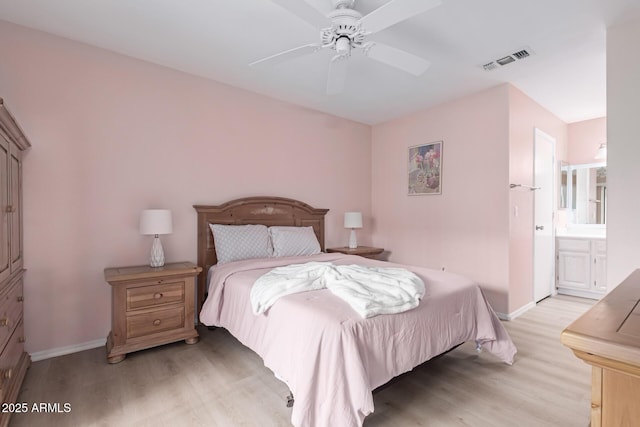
(584, 140)
(112, 136)
(470, 229)
(524, 116)
(465, 229)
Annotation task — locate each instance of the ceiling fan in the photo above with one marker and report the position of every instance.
(344, 30)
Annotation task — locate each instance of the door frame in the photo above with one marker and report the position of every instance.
(554, 207)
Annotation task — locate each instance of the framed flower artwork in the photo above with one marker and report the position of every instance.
(425, 169)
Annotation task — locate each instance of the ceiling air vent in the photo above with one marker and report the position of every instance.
(490, 66)
(508, 59)
(521, 54)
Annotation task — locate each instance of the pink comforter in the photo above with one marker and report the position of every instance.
(331, 358)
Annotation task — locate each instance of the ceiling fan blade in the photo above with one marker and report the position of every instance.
(287, 55)
(405, 61)
(322, 6)
(394, 12)
(337, 74)
(305, 11)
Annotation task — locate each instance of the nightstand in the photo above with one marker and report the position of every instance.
(363, 251)
(151, 306)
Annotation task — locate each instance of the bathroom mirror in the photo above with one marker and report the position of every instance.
(583, 192)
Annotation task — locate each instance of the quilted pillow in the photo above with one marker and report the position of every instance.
(294, 241)
(238, 242)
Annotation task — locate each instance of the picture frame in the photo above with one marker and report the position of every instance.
(424, 173)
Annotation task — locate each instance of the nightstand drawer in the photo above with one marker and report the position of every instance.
(150, 296)
(139, 325)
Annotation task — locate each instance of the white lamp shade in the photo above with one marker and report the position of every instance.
(353, 220)
(156, 221)
(602, 152)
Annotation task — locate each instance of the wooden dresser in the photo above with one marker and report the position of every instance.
(608, 338)
(151, 306)
(14, 361)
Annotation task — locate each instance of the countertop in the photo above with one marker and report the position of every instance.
(582, 233)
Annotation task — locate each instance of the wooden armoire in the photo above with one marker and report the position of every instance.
(14, 361)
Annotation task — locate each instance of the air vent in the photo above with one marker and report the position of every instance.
(490, 66)
(508, 59)
(521, 54)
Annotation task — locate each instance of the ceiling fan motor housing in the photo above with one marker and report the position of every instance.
(345, 31)
(337, 4)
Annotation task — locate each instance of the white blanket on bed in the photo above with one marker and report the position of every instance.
(368, 290)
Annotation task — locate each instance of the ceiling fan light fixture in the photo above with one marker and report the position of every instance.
(343, 46)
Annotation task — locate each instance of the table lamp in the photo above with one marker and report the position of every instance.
(353, 220)
(155, 222)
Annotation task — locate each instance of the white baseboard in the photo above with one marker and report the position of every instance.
(61, 351)
(518, 312)
(580, 293)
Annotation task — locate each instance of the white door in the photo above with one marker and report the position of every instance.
(544, 197)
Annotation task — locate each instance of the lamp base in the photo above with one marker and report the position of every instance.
(353, 241)
(157, 253)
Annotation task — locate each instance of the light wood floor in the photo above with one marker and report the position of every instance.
(218, 382)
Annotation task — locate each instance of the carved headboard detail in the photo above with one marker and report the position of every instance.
(251, 210)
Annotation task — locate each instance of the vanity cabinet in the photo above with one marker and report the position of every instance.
(581, 266)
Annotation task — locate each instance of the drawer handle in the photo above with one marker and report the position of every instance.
(7, 374)
(157, 322)
(4, 322)
(21, 340)
(10, 209)
(157, 295)
(20, 298)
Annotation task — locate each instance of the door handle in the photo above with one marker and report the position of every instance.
(539, 227)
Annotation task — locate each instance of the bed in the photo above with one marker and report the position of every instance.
(331, 358)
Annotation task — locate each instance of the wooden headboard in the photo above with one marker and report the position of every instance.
(251, 210)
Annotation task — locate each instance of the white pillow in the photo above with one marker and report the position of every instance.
(294, 241)
(238, 242)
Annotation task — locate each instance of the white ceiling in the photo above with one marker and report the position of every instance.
(217, 39)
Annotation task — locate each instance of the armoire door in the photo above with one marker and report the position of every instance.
(15, 200)
(5, 256)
